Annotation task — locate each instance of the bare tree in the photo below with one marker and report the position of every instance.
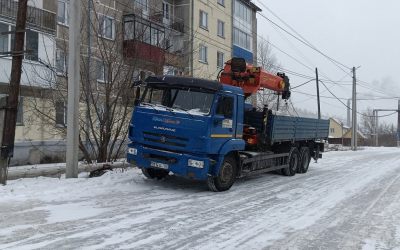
(109, 65)
(268, 61)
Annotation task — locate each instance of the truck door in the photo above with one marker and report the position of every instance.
(224, 121)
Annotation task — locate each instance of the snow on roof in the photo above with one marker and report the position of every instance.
(336, 120)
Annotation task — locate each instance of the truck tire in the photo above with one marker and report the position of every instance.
(294, 160)
(226, 176)
(305, 158)
(152, 173)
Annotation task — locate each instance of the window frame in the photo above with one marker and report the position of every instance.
(203, 16)
(203, 51)
(64, 114)
(221, 32)
(65, 14)
(221, 2)
(102, 26)
(219, 54)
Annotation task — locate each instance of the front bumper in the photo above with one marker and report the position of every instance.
(177, 163)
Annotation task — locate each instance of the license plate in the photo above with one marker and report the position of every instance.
(159, 165)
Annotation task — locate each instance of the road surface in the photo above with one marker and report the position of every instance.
(349, 200)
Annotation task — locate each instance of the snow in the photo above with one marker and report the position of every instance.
(349, 200)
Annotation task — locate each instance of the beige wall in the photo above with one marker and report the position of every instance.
(210, 38)
(335, 129)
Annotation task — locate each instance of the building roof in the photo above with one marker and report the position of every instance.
(252, 5)
(337, 121)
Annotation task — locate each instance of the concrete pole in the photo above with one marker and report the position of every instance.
(319, 104)
(398, 125)
(376, 128)
(354, 114)
(73, 89)
(348, 113)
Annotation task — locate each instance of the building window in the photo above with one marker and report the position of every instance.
(166, 10)
(332, 130)
(203, 54)
(3, 38)
(220, 59)
(242, 11)
(31, 42)
(62, 12)
(61, 61)
(20, 112)
(141, 4)
(32, 46)
(61, 113)
(242, 39)
(221, 2)
(203, 19)
(221, 29)
(102, 72)
(106, 27)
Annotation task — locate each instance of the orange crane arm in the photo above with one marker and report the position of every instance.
(251, 79)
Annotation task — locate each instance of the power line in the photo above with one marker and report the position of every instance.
(335, 62)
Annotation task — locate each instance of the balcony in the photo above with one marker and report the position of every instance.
(38, 19)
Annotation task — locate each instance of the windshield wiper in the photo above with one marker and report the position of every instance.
(185, 110)
(151, 106)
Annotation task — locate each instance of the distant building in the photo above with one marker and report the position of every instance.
(341, 134)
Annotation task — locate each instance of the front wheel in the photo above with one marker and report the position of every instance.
(152, 173)
(294, 160)
(226, 176)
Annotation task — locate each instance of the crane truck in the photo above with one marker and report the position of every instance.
(206, 130)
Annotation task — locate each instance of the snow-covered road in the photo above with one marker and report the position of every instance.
(349, 200)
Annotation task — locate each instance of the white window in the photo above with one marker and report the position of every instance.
(61, 113)
(62, 12)
(106, 27)
(242, 39)
(102, 72)
(221, 29)
(203, 19)
(4, 40)
(61, 61)
(167, 10)
(221, 2)
(220, 59)
(203, 54)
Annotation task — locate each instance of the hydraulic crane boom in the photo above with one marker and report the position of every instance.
(251, 79)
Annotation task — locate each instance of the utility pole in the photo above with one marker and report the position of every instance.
(348, 113)
(319, 105)
(73, 89)
(354, 116)
(376, 128)
(398, 125)
(11, 108)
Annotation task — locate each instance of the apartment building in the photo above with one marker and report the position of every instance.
(245, 30)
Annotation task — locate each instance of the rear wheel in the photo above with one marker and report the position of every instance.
(305, 159)
(294, 160)
(226, 176)
(152, 173)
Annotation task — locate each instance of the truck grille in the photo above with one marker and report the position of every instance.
(165, 139)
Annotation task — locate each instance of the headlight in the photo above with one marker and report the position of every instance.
(132, 151)
(195, 164)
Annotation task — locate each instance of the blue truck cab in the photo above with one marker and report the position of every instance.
(194, 129)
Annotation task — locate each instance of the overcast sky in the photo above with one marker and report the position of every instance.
(356, 33)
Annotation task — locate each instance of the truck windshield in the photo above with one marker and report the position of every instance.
(190, 100)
